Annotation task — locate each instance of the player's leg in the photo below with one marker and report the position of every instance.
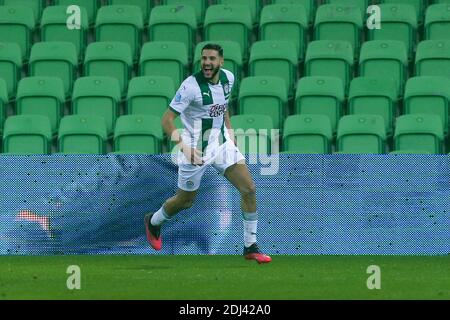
(232, 165)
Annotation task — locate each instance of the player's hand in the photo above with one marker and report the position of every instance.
(193, 155)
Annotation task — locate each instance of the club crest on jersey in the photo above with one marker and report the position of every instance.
(217, 110)
(226, 89)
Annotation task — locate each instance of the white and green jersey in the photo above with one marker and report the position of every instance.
(201, 106)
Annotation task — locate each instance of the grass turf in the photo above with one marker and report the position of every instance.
(224, 277)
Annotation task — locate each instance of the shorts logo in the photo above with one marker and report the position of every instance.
(189, 184)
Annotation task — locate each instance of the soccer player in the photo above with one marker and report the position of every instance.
(207, 139)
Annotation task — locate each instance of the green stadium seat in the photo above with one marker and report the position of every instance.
(253, 5)
(320, 95)
(253, 133)
(232, 57)
(330, 58)
(109, 59)
(120, 24)
(437, 22)
(138, 133)
(164, 58)
(198, 5)
(232, 23)
(384, 59)
(419, 132)
(54, 28)
(3, 103)
(35, 5)
(410, 152)
(361, 5)
(149, 95)
(264, 95)
(97, 96)
(91, 7)
(285, 22)
(82, 135)
(338, 22)
(41, 96)
(309, 5)
(419, 6)
(433, 58)
(361, 133)
(10, 66)
(55, 59)
(428, 95)
(27, 134)
(275, 58)
(144, 5)
(307, 134)
(17, 25)
(399, 22)
(174, 23)
(374, 96)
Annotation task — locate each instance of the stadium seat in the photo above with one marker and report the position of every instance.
(232, 57)
(309, 5)
(410, 152)
(275, 58)
(384, 59)
(253, 5)
(120, 24)
(91, 7)
(307, 134)
(164, 58)
(3, 103)
(54, 28)
(428, 95)
(361, 5)
(198, 5)
(149, 95)
(17, 26)
(174, 23)
(109, 59)
(374, 96)
(27, 134)
(437, 22)
(419, 6)
(10, 66)
(41, 96)
(82, 135)
(320, 95)
(433, 58)
(330, 58)
(139, 134)
(285, 22)
(253, 133)
(361, 134)
(399, 22)
(338, 22)
(144, 5)
(232, 23)
(35, 5)
(264, 95)
(419, 132)
(55, 59)
(97, 96)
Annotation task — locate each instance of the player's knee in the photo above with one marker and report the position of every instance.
(248, 191)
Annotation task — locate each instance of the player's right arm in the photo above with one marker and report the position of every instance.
(167, 122)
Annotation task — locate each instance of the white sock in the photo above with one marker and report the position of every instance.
(159, 217)
(250, 226)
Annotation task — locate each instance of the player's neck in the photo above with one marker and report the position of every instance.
(214, 80)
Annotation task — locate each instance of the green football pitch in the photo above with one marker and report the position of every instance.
(224, 277)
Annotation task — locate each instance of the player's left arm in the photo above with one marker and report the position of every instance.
(226, 118)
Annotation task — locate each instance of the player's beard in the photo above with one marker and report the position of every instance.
(212, 73)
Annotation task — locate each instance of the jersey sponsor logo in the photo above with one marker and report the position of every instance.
(217, 110)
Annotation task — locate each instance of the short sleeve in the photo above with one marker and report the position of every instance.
(183, 98)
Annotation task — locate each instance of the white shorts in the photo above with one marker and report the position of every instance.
(222, 157)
